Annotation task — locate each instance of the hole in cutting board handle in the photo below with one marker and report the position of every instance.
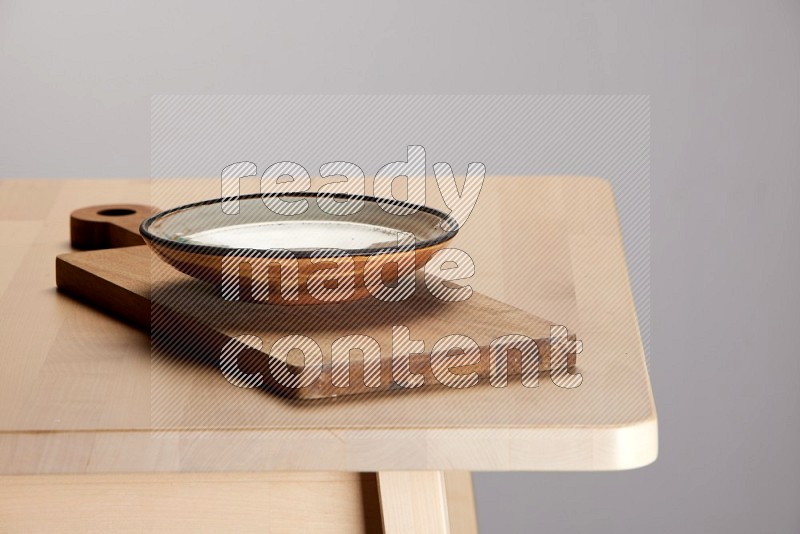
(116, 212)
(108, 225)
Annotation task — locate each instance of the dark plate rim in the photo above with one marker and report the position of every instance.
(207, 250)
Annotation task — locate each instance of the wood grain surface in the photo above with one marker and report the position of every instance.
(190, 503)
(82, 392)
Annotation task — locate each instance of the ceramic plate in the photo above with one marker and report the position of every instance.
(196, 237)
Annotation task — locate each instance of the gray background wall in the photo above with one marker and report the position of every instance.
(724, 80)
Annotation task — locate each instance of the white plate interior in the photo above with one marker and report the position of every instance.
(296, 235)
(257, 227)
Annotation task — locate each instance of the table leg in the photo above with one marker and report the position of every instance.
(426, 501)
(460, 502)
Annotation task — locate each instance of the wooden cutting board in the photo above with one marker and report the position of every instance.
(188, 317)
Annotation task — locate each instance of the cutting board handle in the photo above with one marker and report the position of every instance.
(108, 226)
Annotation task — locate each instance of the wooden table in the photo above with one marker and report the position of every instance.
(80, 450)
